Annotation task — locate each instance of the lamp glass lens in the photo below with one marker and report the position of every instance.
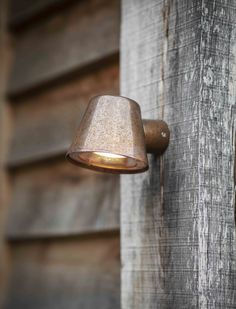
(106, 160)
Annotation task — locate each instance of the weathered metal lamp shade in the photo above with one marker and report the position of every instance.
(111, 136)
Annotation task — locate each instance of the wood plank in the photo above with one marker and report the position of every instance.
(80, 35)
(66, 274)
(5, 125)
(45, 123)
(22, 11)
(177, 219)
(59, 199)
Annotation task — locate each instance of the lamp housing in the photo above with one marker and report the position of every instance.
(113, 138)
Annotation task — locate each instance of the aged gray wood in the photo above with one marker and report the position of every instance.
(21, 11)
(79, 36)
(45, 123)
(79, 273)
(59, 199)
(177, 220)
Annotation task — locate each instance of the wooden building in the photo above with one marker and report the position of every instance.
(60, 225)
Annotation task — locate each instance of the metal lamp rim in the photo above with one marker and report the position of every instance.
(111, 170)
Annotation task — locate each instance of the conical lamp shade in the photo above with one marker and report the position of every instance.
(110, 137)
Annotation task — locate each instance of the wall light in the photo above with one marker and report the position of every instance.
(113, 138)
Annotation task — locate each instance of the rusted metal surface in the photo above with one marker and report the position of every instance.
(113, 138)
(112, 126)
(157, 136)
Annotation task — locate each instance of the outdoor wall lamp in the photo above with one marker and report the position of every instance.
(113, 138)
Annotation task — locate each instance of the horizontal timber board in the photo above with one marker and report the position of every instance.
(80, 35)
(66, 274)
(22, 11)
(59, 199)
(45, 123)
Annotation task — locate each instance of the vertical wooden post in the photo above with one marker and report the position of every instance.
(177, 219)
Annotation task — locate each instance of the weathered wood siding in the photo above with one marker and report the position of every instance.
(38, 136)
(57, 199)
(24, 11)
(62, 226)
(78, 273)
(4, 138)
(66, 42)
(178, 228)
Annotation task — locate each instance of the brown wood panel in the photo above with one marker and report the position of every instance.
(45, 123)
(66, 274)
(60, 199)
(5, 126)
(80, 35)
(21, 11)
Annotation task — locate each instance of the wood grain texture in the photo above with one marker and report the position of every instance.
(177, 220)
(80, 35)
(73, 274)
(5, 125)
(59, 199)
(22, 11)
(45, 123)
